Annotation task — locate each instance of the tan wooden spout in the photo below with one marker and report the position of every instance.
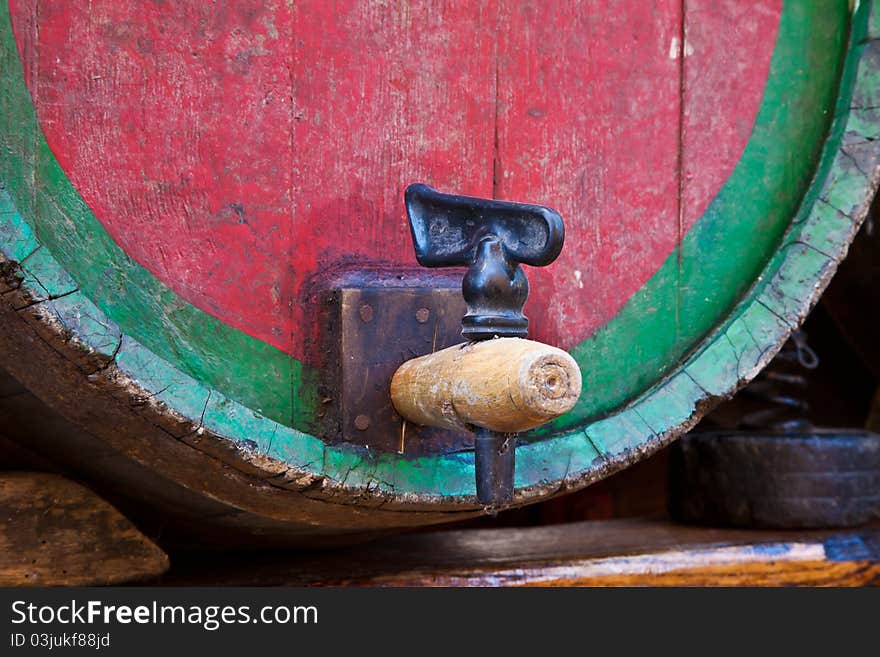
(505, 384)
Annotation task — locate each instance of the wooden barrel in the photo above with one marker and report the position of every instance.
(197, 202)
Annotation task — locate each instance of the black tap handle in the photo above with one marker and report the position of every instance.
(492, 238)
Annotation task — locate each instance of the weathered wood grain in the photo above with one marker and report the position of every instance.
(598, 553)
(157, 459)
(54, 532)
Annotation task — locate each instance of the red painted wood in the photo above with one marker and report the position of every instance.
(384, 95)
(588, 121)
(735, 34)
(237, 149)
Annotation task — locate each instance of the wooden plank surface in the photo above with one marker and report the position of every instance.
(54, 532)
(598, 553)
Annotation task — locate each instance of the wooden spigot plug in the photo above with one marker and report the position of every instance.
(505, 385)
(498, 383)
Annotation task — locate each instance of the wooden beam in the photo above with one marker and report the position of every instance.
(55, 532)
(632, 552)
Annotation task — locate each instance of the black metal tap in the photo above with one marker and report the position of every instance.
(492, 239)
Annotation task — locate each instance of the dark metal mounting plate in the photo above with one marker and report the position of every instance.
(372, 327)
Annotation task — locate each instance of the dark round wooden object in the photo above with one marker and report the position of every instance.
(827, 478)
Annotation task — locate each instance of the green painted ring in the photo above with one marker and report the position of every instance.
(619, 424)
